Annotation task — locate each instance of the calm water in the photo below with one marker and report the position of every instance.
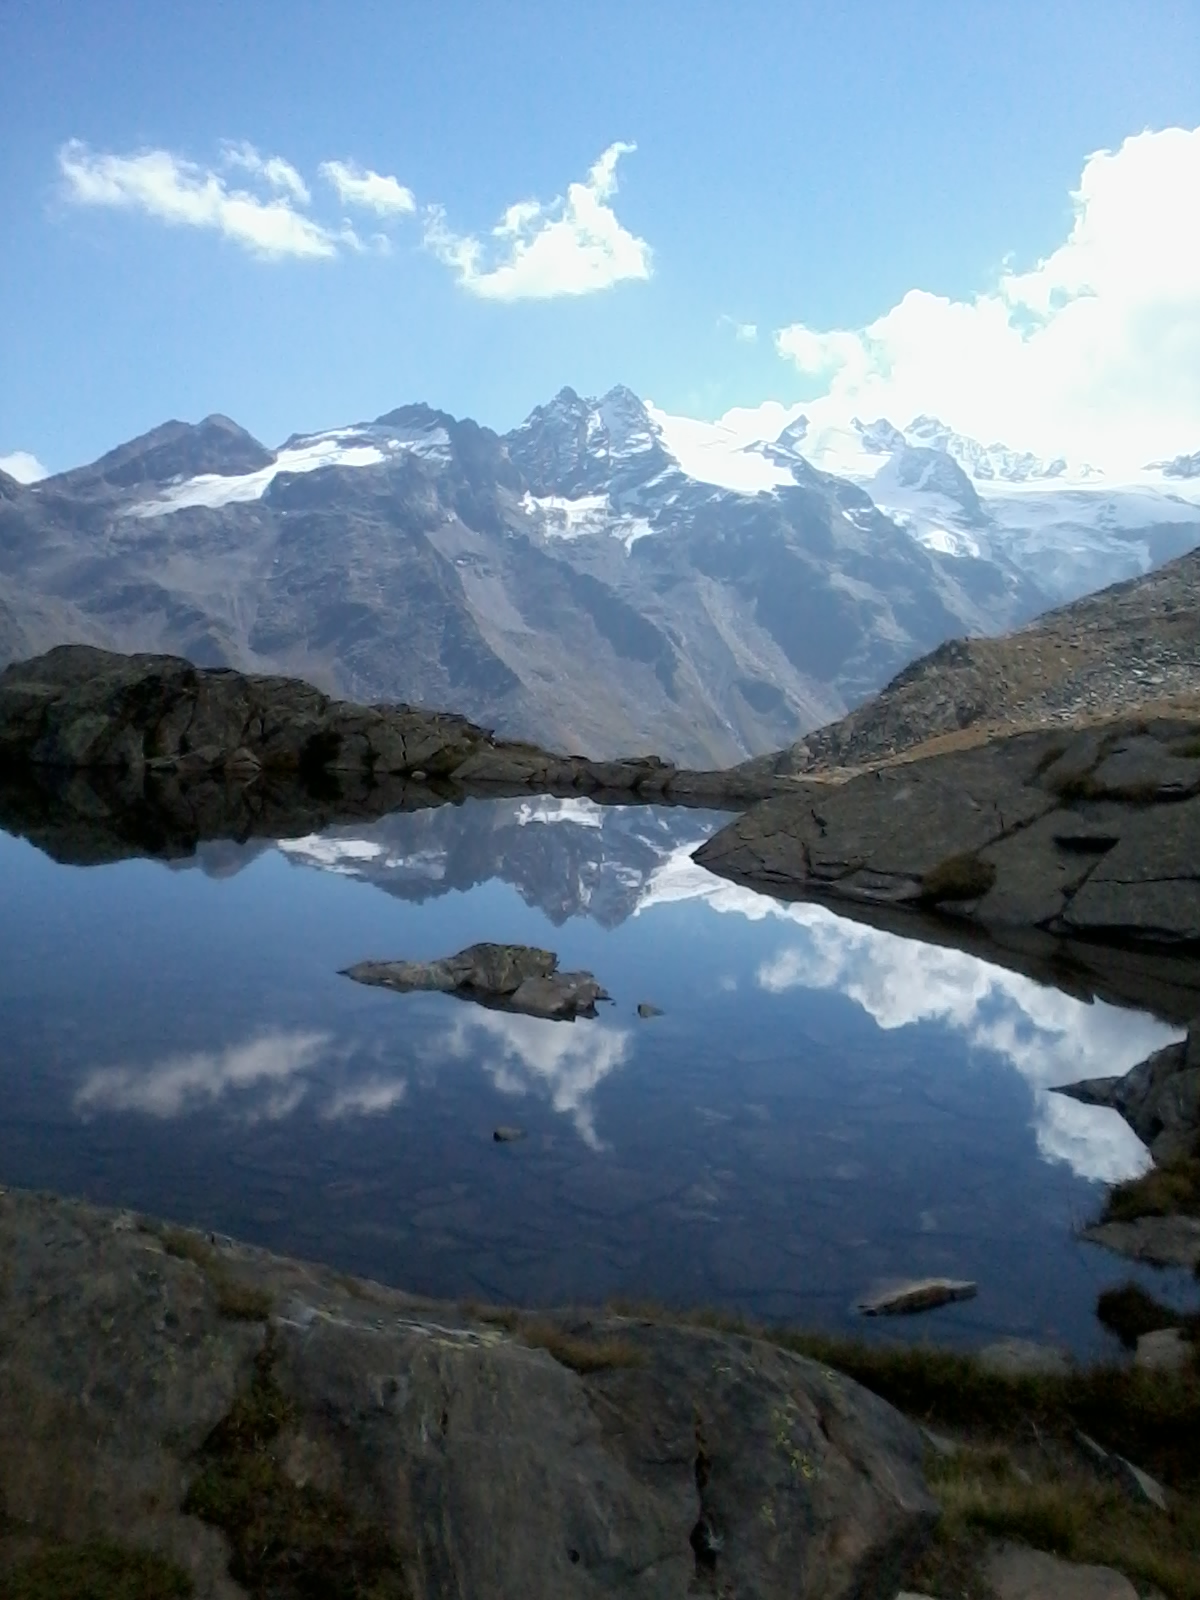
(820, 1107)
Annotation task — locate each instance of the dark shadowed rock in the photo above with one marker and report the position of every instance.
(568, 1458)
(1159, 1098)
(508, 977)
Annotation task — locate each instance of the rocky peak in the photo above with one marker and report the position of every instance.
(574, 446)
(174, 450)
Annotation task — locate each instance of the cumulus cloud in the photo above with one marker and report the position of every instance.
(374, 191)
(1093, 352)
(370, 1098)
(182, 194)
(280, 174)
(537, 251)
(23, 466)
(560, 1060)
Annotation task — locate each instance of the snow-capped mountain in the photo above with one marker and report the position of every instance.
(606, 577)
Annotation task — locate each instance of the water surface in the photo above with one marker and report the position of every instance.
(821, 1106)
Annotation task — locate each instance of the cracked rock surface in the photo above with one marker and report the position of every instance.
(464, 1458)
(1092, 833)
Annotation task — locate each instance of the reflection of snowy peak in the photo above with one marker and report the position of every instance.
(568, 857)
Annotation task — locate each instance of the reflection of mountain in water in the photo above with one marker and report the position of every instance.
(569, 857)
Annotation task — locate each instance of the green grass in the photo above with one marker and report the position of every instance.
(1069, 1513)
(290, 1541)
(97, 1569)
(960, 877)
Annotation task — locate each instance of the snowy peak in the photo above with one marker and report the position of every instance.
(574, 446)
(987, 462)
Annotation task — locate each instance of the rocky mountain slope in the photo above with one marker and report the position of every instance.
(1133, 645)
(583, 581)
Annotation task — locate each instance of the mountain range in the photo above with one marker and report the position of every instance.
(604, 578)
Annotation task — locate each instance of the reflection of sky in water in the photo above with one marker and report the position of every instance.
(821, 1103)
(1048, 1036)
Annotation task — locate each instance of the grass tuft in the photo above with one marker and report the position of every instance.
(1187, 749)
(960, 877)
(236, 1299)
(581, 1354)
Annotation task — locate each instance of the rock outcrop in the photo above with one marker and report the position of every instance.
(1092, 833)
(506, 977)
(248, 1418)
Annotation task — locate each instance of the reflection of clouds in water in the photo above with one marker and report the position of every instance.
(367, 1099)
(1048, 1036)
(567, 1060)
(260, 1079)
(268, 1066)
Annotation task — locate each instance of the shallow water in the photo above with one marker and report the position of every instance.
(820, 1107)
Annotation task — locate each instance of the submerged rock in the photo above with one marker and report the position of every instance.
(508, 977)
(647, 1009)
(1161, 1241)
(919, 1294)
(396, 1440)
(507, 1135)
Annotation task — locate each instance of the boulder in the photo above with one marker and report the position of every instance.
(509, 977)
(1164, 1350)
(431, 1454)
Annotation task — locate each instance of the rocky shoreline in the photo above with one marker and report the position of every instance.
(213, 1420)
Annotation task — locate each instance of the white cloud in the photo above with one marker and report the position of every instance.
(538, 251)
(1047, 1036)
(744, 332)
(368, 1099)
(564, 1060)
(1093, 353)
(271, 1066)
(374, 191)
(23, 466)
(280, 174)
(183, 194)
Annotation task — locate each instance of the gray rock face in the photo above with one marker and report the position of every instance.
(1164, 1350)
(509, 977)
(1159, 1098)
(1079, 835)
(480, 1461)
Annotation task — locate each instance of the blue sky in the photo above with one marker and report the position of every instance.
(189, 226)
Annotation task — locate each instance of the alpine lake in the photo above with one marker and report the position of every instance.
(814, 1109)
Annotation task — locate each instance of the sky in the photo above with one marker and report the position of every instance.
(303, 215)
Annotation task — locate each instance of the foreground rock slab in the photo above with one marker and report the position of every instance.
(508, 977)
(567, 1458)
